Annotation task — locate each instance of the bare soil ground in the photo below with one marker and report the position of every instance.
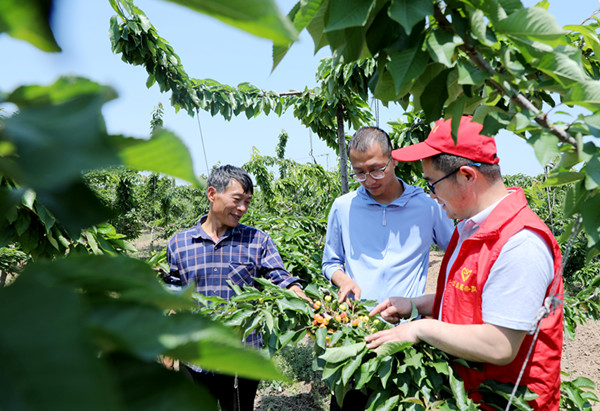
(149, 242)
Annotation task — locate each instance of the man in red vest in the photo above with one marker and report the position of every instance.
(500, 267)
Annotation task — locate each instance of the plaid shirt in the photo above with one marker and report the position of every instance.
(241, 254)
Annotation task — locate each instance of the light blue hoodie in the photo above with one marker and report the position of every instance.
(385, 248)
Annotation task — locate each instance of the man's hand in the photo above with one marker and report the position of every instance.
(393, 309)
(169, 363)
(295, 288)
(347, 287)
(402, 332)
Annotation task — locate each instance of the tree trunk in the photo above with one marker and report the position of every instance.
(151, 240)
(342, 146)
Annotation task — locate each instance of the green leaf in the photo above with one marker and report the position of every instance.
(494, 122)
(482, 112)
(321, 335)
(64, 89)
(384, 86)
(455, 111)
(385, 370)
(261, 18)
(392, 348)
(125, 245)
(493, 11)
(406, 66)
(301, 15)
(22, 224)
(42, 132)
(316, 28)
(45, 216)
(534, 24)
(367, 370)
(9, 200)
(344, 14)
(29, 20)
(163, 153)
(28, 199)
(75, 205)
(133, 280)
(545, 146)
(347, 44)
(128, 315)
(340, 390)
(434, 95)
(268, 320)
(413, 358)
(457, 386)
(593, 123)
(442, 46)
(286, 337)
(591, 219)
(585, 94)
(31, 332)
(149, 386)
(247, 296)
(147, 332)
(238, 318)
(330, 369)
(583, 382)
(562, 178)
(352, 366)
(414, 311)
(592, 171)
(408, 13)
(441, 367)
(563, 65)
(91, 240)
(294, 304)
(338, 354)
(480, 29)
(589, 34)
(384, 401)
(574, 199)
(468, 74)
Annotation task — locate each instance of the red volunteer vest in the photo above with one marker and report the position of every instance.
(462, 301)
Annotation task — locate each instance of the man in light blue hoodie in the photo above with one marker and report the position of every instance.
(379, 236)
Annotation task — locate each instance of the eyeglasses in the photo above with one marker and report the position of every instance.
(431, 185)
(376, 174)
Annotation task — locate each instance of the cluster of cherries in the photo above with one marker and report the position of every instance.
(333, 316)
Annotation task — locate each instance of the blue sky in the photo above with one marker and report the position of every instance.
(209, 49)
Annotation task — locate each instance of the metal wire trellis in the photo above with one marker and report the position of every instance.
(202, 139)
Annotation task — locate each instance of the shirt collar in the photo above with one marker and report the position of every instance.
(475, 222)
(409, 192)
(199, 231)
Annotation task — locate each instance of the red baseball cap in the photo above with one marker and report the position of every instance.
(469, 143)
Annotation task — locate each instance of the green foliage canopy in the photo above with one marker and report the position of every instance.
(499, 61)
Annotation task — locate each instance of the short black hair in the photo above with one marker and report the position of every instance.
(222, 176)
(365, 137)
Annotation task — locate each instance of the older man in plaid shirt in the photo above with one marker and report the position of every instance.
(218, 249)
